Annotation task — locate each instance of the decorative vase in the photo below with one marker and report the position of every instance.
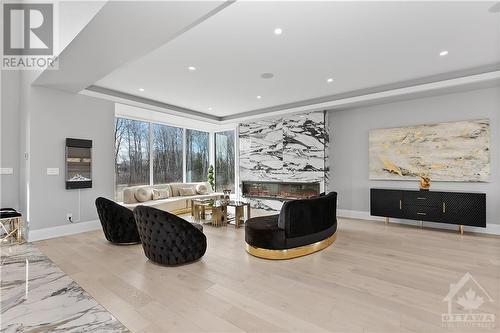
(425, 183)
(227, 193)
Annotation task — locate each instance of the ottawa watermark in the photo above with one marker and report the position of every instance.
(465, 299)
(29, 31)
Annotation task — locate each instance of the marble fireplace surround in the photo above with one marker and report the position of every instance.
(290, 148)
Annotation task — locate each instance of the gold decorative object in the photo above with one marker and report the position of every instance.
(425, 183)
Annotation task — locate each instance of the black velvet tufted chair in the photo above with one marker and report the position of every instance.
(302, 227)
(168, 239)
(117, 222)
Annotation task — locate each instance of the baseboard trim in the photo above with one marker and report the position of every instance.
(63, 230)
(491, 229)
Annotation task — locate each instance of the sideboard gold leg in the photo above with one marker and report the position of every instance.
(461, 228)
(386, 220)
(421, 224)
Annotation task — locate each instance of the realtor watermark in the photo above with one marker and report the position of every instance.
(28, 36)
(465, 299)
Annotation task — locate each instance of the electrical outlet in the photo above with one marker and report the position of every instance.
(69, 217)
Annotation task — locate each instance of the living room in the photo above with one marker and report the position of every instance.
(250, 166)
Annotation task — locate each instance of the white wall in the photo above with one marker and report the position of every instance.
(45, 118)
(349, 144)
(10, 139)
(55, 116)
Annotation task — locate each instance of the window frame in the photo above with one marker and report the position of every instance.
(211, 147)
(235, 131)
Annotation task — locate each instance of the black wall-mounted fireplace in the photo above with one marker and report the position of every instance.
(279, 190)
(78, 164)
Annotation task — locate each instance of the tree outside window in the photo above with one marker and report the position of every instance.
(131, 154)
(224, 161)
(197, 153)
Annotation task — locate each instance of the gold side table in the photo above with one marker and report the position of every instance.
(11, 226)
(219, 215)
(239, 214)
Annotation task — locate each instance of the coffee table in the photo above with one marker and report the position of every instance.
(217, 207)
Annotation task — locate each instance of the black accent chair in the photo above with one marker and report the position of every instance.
(302, 227)
(168, 239)
(117, 222)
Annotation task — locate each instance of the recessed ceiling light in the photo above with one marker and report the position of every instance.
(443, 53)
(267, 75)
(141, 89)
(259, 96)
(192, 68)
(210, 109)
(329, 80)
(278, 31)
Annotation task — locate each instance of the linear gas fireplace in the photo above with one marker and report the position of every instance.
(279, 190)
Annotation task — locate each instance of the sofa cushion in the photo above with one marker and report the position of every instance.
(161, 193)
(176, 186)
(202, 189)
(263, 232)
(143, 194)
(129, 195)
(186, 191)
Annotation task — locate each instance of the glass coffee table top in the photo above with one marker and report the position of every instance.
(207, 202)
(233, 203)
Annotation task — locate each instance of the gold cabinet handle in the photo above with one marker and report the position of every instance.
(420, 213)
(400, 204)
(444, 207)
(421, 198)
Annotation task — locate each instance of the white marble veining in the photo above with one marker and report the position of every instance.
(37, 296)
(288, 149)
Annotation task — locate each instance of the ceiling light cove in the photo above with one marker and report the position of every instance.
(329, 80)
(192, 68)
(443, 53)
(278, 31)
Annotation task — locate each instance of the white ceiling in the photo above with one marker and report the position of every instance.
(358, 44)
(73, 16)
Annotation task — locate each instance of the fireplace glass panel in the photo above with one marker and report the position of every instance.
(277, 190)
(78, 164)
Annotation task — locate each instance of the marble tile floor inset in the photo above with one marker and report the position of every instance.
(47, 300)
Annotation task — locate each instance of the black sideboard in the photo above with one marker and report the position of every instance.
(433, 206)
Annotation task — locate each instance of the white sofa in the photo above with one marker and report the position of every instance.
(175, 202)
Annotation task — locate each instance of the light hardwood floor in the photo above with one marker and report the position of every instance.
(374, 278)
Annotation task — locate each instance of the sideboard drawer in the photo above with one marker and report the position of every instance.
(423, 198)
(424, 213)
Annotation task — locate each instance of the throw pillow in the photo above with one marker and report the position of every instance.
(202, 189)
(161, 193)
(156, 194)
(144, 194)
(186, 191)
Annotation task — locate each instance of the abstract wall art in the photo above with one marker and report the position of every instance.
(453, 151)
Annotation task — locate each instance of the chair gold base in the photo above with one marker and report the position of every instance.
(290, 253)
